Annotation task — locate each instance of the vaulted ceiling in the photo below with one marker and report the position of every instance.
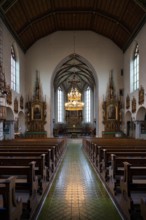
(74, 73)
(30, 20)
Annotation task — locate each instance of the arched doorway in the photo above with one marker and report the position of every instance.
(75, 69)
(8, 125)
(141, 123)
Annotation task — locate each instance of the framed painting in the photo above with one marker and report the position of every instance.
(37, 112)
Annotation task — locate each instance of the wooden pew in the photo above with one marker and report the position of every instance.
(143, 208)
(131, 174)
(105, 152)
(109, 156)
(100, 155)
(53, 153)
(40, 168)
(132, 184)
(11, 208)
(116, 170)
(51, 160)
(26, 182)
(114, 141)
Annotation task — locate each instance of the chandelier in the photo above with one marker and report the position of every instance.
(74, 100)
(74, 96)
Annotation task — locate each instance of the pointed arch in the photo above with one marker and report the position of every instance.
(85, 73)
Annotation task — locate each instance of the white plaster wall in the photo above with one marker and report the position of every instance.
(48, 52)
(141, 40)
(8, 40)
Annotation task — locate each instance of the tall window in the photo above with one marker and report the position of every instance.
(135, 70)
(60, 105)
(14, 71)
(88, 105)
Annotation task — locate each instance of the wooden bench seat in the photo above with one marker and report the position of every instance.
(143, 208)
(28, 184)
(133, 186)
(103, 153)
(40, 168)
(11, 206)
(51, 159)
(110, 157)
(116, 170)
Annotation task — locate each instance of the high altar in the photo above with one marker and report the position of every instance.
(74, 108)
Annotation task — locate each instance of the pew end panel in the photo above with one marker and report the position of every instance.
(143, 208)
(12, 205)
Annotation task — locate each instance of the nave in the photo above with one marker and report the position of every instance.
(77, 192)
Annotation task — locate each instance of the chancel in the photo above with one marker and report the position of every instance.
(72, 110)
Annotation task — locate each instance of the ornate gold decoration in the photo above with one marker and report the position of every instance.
(133, 105)
(127, 102)
(112, 109)
(9, 95)
(16, 105)
(3, 94)
(141, 95)
(36, 110)
(74, 98)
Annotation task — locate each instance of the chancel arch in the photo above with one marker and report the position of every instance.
(74, 72)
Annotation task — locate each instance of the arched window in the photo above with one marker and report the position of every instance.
(60, 98)
(135, 70)
(14, 71)
(88, 105)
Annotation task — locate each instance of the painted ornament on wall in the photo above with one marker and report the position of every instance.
(16, 105)
(127, 102)
(21, 102)
(141, 95)
(133, 105)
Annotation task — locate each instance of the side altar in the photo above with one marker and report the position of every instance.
(112, 112)
(36, 113)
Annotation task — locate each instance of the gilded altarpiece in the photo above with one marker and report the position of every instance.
(36, 113)
(112, 110)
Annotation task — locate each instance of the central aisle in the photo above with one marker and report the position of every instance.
(77, 192)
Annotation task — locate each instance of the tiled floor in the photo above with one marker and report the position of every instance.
(77, 193)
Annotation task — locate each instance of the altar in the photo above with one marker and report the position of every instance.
(74, 132)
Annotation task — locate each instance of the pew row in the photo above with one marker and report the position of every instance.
(10, 205)
(116, 170)
(40, 168)
(100, 158)
(26, 183)
(133, 187)
(143, 208)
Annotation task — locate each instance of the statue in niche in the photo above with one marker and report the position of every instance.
(16, 105)
(37, 113)
(111, 112)
(133, 105)
(141, 95)
(127, 102)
